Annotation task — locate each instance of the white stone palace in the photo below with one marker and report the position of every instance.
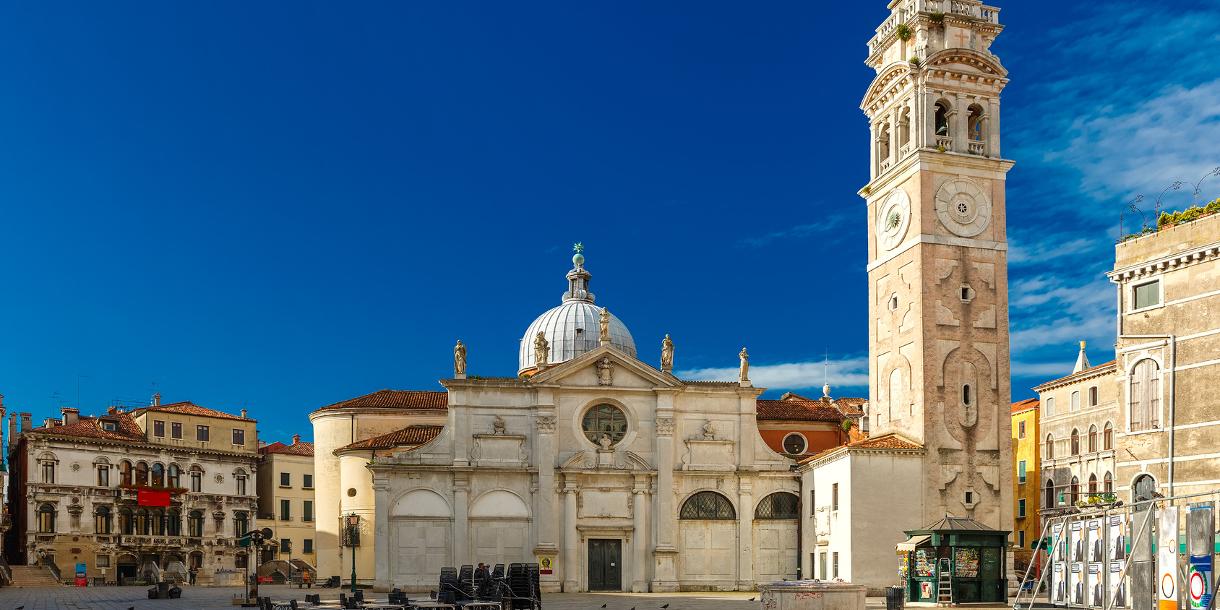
(612, 471)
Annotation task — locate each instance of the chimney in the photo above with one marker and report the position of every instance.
(50, 422)
(243, 414)
(156, 401)
(70, 414)
(296, 438)
(12, 428)
(111, 410)
(25, 421)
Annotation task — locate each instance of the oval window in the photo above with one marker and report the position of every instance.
(604, 421)
(795, 444)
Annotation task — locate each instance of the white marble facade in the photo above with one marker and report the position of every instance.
(589, 464)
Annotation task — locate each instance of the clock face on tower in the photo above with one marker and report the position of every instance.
(963, 207)
(893, 220)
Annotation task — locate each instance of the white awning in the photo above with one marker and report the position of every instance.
(911, 543)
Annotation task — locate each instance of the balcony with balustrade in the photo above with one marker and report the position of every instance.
(910, 9)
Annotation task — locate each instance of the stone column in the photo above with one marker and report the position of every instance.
(993, 128)
(381, 533)
(960, 128)
(459, 420)
(546, 522)
(461, 520)
(665, 550)
(745, 535)
(928, 120)
(571, 540)
(639, 538)
(895, 135)
(874, 161)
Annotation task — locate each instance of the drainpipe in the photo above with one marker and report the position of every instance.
(1173, 381)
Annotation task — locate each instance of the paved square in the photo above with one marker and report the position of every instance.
(217, 598)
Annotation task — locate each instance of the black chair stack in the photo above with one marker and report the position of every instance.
(448, 589)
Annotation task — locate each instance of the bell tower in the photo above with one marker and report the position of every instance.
(937, 268)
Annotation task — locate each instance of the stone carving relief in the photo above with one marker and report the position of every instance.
(709, 430)
(963, 208)
(605, 371)
(498, 426)
(986, 318)
(665, 426)
(545, 423)
(985, 272)
(945, 316)
(944, 269)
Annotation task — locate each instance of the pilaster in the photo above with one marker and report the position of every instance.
(745, 535)
(461, 518)
(571, 540)
(639, 537)
(381, 534)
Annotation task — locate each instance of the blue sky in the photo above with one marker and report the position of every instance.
(282, 205)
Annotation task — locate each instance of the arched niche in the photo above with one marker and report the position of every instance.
(421, 503)
(499, 504)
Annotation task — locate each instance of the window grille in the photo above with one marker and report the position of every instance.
(708, 505)
(780, 505)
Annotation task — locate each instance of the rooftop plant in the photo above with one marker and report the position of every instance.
(904, 32)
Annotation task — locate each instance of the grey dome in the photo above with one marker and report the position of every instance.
(572, 328)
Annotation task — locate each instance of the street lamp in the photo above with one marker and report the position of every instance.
(353, 541)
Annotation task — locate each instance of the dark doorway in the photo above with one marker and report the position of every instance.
(605, 565)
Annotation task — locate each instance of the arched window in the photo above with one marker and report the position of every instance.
(883, 143)
(1075, 491)
(1050, 447)
(1075, 406)
(141, 474)
(904, 127)
(101, 520)
(976, 123)
(1050, 494)
(196, 478)
(1092, 484)
(158, 475)
(1145, 396)
(240, 478)
(142, 522)
(779, 505)
(1144, 488)
(1075, 442)
(966, 394)
(708, 505)
(126, 523)
(125, 473)
(194, 524)
(241, 523)
(46, 519)
(173, 522)
(174, 476)
(1107, 437)
(1109, 483)
(942, 119)
(1093, 438)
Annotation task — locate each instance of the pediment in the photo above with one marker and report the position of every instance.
(966, 60)
(887, 78)
(624, 371)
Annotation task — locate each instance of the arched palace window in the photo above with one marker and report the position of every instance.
(779, 505)
(604, 420)
(708, 505)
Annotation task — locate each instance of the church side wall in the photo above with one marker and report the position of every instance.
(881, 480)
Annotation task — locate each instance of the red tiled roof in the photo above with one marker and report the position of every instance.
(298, 448)
(395, 399)
(411, 436)
(1023, 405)
(126, 429)
(851, 407)
(190, 408)
(798, 410)
(885, 441)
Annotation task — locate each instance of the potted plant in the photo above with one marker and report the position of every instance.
(915, 62)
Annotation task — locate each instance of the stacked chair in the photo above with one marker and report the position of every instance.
(515, 589)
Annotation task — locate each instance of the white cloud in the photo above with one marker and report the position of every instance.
(846, 373)
(1052, 248)
(828, 228)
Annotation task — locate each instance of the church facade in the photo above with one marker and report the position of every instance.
(611, 473)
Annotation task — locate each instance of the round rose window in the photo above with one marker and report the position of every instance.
(604, 421)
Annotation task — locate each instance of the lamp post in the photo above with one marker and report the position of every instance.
(353, 528)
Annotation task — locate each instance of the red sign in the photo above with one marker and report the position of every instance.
(81, 581)
(152, 497)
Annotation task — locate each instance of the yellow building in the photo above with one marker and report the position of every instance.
(286, 504)
(1027, 527)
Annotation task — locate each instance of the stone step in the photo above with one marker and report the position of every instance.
(33, 576)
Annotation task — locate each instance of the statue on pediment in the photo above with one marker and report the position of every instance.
(745, 366)
(667, 355)
(459, 359)
(605, 371)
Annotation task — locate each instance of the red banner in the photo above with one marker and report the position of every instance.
(152, 497)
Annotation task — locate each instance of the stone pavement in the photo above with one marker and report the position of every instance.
(217, 598)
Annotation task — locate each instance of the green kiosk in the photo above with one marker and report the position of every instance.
(955, 560)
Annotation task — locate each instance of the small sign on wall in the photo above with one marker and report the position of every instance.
(545, 565)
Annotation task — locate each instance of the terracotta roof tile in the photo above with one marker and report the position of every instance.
(126, 429)
(798, 410)
(395, 399)
(1023, 405)
(298, 448)
(190, 408)
(715, 384)
(884, 441)
(409, 437)
(850, 406)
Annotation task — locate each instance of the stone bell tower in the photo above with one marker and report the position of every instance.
(938, 284)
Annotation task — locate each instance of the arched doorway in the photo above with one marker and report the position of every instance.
(421, 538)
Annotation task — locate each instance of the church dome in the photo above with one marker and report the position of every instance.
(573, 328)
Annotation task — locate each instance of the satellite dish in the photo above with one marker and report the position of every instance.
(266, 532)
